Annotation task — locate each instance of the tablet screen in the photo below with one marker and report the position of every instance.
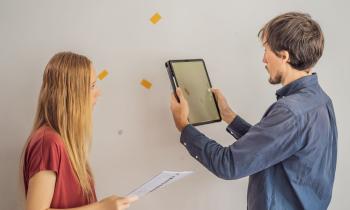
(192, 78)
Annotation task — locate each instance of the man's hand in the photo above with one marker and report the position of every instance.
(226, 112)
(180, 110)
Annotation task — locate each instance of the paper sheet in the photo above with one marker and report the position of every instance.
(159, 181)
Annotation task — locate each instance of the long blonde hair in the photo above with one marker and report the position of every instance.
(65, 106)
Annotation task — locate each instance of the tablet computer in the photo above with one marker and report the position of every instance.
(192, 77)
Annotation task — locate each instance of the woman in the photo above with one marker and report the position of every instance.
(55, 164)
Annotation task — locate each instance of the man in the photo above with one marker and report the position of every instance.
(290, 155)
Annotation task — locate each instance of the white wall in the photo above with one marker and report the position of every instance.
(118, 36)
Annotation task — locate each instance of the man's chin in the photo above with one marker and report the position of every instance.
(274, 81)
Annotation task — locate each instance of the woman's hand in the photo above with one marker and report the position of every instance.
(116, 203)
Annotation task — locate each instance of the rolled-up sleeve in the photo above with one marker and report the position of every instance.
(273, 139)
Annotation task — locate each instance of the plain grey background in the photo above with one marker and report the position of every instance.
(134, 135)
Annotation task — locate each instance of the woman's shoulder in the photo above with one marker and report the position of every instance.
(46, 137)
(44, 151)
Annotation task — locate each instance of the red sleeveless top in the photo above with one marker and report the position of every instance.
(46, 151)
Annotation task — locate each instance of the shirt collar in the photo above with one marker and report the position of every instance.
(296, 85)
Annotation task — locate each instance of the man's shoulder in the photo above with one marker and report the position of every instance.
(304, 101)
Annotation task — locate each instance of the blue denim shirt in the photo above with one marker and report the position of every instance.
(290, 155)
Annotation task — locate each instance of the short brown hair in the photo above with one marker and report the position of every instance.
(296, 33)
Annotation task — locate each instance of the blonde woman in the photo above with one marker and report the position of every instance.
(56, 170)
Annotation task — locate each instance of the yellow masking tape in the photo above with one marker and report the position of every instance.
(103, 74)
(146, 84)
(155, 18)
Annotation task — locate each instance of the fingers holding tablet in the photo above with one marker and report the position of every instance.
(225, 110)
(192, 77)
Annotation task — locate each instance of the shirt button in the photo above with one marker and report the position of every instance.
(196, 157)
(185, 143)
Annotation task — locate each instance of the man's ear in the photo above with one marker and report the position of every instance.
(285, 56)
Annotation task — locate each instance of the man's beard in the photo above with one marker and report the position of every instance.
(276, 80)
